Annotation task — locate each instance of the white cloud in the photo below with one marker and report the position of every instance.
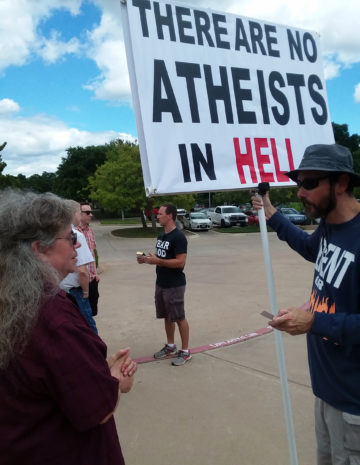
(108, 51)
(19, 39)
(331, 69)
(8, 105)
(51, 50)
(37, 144)
(357, 93)
(337, 26)
(113, 82)
(19, 21)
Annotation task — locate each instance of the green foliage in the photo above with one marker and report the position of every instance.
(111, 175)
(11, 181)
(278, 195)
(119, 221)
(74, 171)
(230, 197)
(342, 137)
(41, 183)
(186, 201)
(288, 195)
(117, 184)
(137, 232)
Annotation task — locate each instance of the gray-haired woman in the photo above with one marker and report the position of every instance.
(58, 393)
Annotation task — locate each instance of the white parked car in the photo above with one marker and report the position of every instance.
(227, 215)
(197, 221)
(181, 212)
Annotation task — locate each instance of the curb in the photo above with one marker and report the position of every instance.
(216, 345)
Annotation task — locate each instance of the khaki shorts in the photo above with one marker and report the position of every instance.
(169, 303)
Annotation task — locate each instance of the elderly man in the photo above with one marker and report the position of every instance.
(326, 179)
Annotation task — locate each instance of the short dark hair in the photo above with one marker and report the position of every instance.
(170, 209)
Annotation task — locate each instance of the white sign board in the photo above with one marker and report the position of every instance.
(221, 101)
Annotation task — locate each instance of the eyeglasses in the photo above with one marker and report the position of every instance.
(311, 183)
(88, 212)
(72, 238)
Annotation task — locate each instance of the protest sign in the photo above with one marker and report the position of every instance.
(221, 101)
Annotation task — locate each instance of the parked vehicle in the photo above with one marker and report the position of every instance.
(293, 215)
(253, 217)
(207, 211)
(148, 212)
(197, 221)
(181, 212)
(227, 215)
(197, 208)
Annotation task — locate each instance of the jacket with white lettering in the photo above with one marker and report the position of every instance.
(334, 339)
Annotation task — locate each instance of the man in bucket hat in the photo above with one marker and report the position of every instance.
(325, 178)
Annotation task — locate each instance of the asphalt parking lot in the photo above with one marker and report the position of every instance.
(225, 405)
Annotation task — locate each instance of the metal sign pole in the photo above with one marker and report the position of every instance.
(278, 337)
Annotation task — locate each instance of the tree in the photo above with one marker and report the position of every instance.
(72, 175)
(342, 137)
(117, 184)
(41, 183)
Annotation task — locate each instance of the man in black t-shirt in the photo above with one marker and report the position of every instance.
(170, 258)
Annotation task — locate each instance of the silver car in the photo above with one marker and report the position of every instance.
(293, 215)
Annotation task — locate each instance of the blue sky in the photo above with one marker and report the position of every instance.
(64, 79)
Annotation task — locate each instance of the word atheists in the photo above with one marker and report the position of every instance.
(236, 83)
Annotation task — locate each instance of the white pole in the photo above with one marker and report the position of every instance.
(278, 341)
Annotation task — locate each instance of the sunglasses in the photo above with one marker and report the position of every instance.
(88, 212)
(311, 183)
(72, 238)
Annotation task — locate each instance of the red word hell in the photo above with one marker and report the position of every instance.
(262, 158)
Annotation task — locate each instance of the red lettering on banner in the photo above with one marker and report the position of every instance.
(247, 159)
(280, 174)
(262, 159)
(244, 159)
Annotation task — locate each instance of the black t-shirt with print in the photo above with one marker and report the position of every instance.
(168, 246)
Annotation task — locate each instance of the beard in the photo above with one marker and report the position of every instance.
(322, 209)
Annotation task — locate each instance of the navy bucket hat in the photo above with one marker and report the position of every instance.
(327, 157)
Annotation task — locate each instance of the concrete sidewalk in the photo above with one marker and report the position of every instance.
(225, 405)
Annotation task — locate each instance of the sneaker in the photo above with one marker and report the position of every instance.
(182, 357)
(166, 351)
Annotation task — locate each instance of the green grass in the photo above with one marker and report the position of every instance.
(137, 232)
(119, 221)
(140, 232)
(239, 229)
